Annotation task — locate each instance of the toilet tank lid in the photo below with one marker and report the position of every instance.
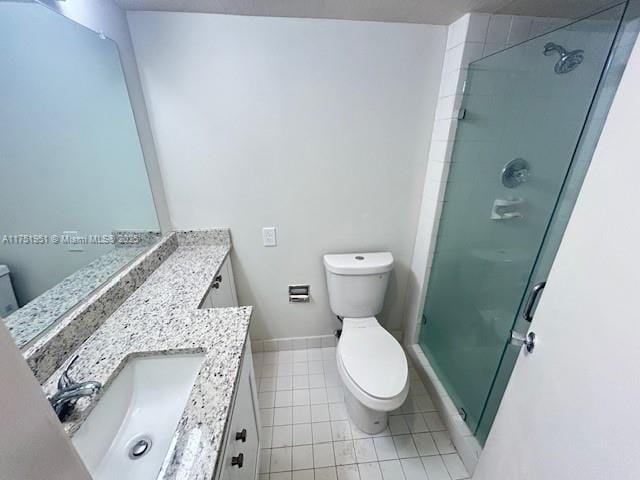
(359, 263)
(4, 270)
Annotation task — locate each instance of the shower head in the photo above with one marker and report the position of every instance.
(568, 60)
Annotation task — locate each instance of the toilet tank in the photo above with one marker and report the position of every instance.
(357, 282)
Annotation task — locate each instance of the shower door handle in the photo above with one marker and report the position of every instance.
(527, 313)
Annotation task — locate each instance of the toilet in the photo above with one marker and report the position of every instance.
(371, 362)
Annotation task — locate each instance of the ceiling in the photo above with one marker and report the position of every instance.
(412, 11)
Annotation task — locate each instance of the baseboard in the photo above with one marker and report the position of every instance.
(465, 442)
(299, 343)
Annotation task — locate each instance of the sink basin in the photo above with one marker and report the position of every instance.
(128, 433)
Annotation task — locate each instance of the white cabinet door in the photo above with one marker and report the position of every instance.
(223, 291)
(240, 459)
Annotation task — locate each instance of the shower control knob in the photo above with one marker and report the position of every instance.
(218, 278)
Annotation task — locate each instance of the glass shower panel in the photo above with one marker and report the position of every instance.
(511, 155)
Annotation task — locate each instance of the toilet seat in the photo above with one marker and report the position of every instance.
(372, 364)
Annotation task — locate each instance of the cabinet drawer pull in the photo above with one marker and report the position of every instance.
(239, 460)
(242, 435)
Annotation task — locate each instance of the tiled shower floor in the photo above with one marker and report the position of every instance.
(307, 434)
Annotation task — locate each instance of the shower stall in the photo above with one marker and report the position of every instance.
(524, 139)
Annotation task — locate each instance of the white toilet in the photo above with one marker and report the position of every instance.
(371, 363)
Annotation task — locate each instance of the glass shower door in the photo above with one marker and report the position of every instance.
(525, 111)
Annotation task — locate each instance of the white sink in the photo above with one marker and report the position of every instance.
(142, 407)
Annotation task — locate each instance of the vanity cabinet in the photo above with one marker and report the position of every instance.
(223, 289)
(242, 445)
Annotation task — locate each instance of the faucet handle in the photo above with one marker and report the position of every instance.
(64, 381)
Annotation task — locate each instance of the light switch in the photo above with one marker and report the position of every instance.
(269, 236)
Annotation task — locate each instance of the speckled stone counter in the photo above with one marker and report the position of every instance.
(29, 321)
(162, 317)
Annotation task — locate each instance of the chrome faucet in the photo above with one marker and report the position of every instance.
(69, 392)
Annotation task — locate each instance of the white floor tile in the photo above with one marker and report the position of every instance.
(317, 396)
(263, 476)
(338, 411)
(266, 434)
(267, 384)
(435, 468)
(404, 446)
(266, 399)
(329, 353)
(280, 476)
(285, 369)
(300, 381)
(370, 471)
(283, 398)
(434, 421)
(284, 383)
(332, 379)
(282, 436)
(344, 452)
(365, 451)
(300, 356)
(265, 460)
(280, 459)
(340, 430)
(391, 470)
(314, 355)
(425, 404)
(282, 416)
(417, 388)
(385, 448)
(398, 425)
(348, 472)
(302, 457)
(269, 370)
(443, 442)
(413, 469)
(301, 414)
(316, 381)
(322, 455)
(300, 397)
(455, 467)
(266, 416)
(315, 368)
(285, 356)
(335, 395)
(301, 434)
(321, 432)
(301, 368)
(328, 473)
(416, 423)
(303, 475)
(269, 358)
(425, 444)
(320, 413)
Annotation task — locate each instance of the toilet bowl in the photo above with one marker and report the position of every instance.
(374, 370)
(371, 363)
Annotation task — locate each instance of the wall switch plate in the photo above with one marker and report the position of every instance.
(269, 237)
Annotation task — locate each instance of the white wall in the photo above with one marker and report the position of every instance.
(570, 409)
(318, 127)
(32, 442)
(106, 17)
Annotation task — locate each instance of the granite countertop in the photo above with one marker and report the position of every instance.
(29, 321)
(162, 317)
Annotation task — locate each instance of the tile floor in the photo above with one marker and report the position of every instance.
(307, 433)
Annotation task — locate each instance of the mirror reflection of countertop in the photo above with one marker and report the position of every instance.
(162, 317)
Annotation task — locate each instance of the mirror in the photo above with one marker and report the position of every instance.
(76, 204)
